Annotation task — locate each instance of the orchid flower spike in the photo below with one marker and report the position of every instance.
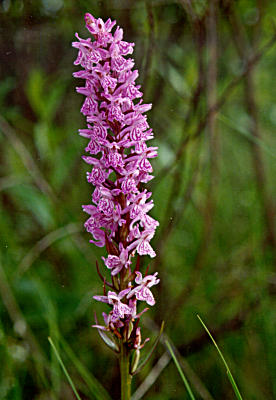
(119, 158)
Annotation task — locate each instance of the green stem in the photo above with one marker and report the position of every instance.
(125, 375)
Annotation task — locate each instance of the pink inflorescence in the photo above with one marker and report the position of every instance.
(118, 131)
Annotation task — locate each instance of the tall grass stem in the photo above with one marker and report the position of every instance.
(186, 383)
(229, 374)
(64, 369)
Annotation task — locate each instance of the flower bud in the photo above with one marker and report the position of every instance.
(135, 361)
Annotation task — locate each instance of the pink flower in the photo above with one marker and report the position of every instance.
(142, 291)
(116, 263)
(120, 310)
(97, 176)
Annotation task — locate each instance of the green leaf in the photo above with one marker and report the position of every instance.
(243, 131)
(109, 342)
(44, 96)
(92, 383)
(185, 381)
(34, 91)
(64, 369)
(29, 198)
(230, 376)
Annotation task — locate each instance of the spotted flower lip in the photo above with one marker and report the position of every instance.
(142, 291)
(120, 163)
(116, 263)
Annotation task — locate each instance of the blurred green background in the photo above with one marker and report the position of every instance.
(208, 67)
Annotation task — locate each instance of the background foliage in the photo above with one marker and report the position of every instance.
(208, 67)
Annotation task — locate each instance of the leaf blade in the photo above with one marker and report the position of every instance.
(64, 369)
(184, 379)
(229, 374)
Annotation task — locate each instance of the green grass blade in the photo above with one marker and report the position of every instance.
(64, 369)
(186, 383)
(229, 374)
(92, 383)
(231, 124)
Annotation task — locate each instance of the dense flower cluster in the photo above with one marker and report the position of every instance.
(118, 131)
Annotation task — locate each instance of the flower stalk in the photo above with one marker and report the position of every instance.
(126, 377)
(117, 151)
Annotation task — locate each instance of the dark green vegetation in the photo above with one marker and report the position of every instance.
(209, 70)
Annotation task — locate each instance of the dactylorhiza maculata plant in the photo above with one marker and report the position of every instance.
(118, 132)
